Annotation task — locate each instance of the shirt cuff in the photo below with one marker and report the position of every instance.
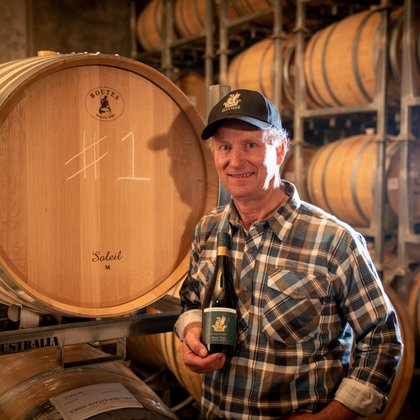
(194, 315)
(360, 398)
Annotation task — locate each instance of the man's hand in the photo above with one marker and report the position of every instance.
(195, 353)
(333, 411)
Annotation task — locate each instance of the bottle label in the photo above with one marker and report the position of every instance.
(219, 326)
(223, 250)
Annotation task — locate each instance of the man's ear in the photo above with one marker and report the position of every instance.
(280, 155)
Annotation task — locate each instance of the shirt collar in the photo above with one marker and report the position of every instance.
(282, 220)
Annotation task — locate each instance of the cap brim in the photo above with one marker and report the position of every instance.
(209, 130)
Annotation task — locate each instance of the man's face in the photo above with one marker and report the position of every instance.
(243, 161)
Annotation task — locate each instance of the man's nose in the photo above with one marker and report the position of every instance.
(237, 158)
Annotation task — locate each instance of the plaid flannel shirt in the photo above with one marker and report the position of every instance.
(304, 280)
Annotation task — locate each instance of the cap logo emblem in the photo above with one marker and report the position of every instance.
(232, 102)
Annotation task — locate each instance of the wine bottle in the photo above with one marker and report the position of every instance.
(220, 305)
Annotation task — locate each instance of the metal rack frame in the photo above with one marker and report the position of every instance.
(301, 112)
(409, 100)
(278, 35)
(34, 337)
(378, 105)
(169, 43)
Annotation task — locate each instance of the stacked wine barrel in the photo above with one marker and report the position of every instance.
(341, 179)
(30, 379)
(165, 350)
(189, 19)
(339, 64)
(193, 85)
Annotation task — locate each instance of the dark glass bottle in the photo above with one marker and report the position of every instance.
(220, 304)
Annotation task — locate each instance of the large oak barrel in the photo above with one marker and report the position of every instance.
(341, 60)
(395, 46)
(414, 304)
(103, 179)
(404, 374)
(189, 16)
(30, 379)
(169, 348)
(288, 166)
(247, 7)
(144, 349)
(393, 181)
(149, 25)
(254, 68)
(193, 84)
(251, 69)
(341, 179)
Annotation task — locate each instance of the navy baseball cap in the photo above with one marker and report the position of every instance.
(245, 105)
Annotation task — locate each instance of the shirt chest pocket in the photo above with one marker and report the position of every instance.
(204, 275)
(293, 304)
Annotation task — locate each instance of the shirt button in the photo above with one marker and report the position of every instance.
(296, 291)
(245, 289)
(249, 250)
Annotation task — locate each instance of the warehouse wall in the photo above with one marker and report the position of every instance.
(65, 26)
(13, 30)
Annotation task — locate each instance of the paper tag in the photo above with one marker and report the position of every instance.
(82, 403)
(392, 184)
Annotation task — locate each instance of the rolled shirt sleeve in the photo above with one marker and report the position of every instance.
(360, 398)
(378, 342)
(194, 315)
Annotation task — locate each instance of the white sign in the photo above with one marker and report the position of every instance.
(82, 403)
(392, 184)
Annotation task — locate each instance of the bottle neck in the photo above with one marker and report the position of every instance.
(222, 251)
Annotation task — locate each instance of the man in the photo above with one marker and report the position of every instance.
(304, 281)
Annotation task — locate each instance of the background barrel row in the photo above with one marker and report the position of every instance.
(339, 177)
(340, 59)
(339, 66)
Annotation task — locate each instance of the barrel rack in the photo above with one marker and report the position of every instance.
(168, 44)
(301, 112)
(409, 99)
(378, 105)
(30, 336)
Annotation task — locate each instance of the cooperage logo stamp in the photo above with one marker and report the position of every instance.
(104, 104)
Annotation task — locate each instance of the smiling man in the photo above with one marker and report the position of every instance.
(305, 284)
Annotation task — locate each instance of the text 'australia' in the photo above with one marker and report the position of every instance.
(19, 346)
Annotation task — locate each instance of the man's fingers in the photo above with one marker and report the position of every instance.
(196, 356)
(192, 341)
(197, 348)
(207, 364)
